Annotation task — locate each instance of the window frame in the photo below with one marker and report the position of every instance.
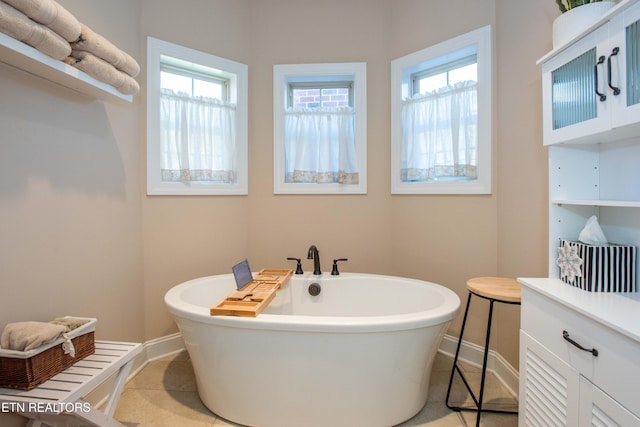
(283, 76)
(237, 76)
(402, 71)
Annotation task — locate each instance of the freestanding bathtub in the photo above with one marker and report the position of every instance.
(359, 354)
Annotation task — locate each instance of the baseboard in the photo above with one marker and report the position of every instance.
(473, 354)
(164, 346)
(157, 349)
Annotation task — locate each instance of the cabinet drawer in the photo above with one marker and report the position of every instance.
(616, 368)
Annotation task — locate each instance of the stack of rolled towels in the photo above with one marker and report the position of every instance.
(54, 31)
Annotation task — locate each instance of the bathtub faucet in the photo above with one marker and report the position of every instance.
(315, 256)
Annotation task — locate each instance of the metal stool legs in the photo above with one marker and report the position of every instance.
(478, 401)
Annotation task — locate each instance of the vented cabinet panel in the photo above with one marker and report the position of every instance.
(548, 387)
(599, 410)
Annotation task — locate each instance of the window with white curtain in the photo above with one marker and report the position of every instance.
(441, 118)
(320, 129)
(197, 122)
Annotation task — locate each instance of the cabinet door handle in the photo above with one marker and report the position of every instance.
(602, 96)
(614, 52)
(593, 351)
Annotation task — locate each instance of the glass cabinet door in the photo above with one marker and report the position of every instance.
(632, 35)
(572, 91)
(625, 66)
(575, 92)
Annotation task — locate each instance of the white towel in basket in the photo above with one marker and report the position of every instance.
(25, 336)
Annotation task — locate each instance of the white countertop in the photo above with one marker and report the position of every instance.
(619, 311)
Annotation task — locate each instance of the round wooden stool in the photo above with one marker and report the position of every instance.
(494, 289)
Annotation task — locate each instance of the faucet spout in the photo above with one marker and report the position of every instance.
(315, 256)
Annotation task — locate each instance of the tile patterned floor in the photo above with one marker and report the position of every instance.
(164, 394)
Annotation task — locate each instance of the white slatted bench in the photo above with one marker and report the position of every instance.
(58, 402)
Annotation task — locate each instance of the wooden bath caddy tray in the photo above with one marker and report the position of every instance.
(253, 297)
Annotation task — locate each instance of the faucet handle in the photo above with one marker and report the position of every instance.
(334, 270)
(298, 266)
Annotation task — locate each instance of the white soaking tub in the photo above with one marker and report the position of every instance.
(358, 354)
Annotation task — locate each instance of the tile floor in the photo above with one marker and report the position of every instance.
(164, 394)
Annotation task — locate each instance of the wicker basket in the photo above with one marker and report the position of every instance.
(25, 370)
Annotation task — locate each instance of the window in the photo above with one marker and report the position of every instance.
(320, 129)
(196, 122)
(182, 77)
(441, 118)
(450, 74)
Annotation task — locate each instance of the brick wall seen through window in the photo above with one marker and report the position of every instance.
(316, 98)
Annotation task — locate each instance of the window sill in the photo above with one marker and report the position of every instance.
(301, 188)
(442, 187)
(162, 188)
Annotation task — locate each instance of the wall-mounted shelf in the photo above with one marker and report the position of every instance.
(20, 55)
(613, 203)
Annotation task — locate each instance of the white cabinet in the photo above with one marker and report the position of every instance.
(594, 157)
(594, 141)
(563, 385)
(591, 89)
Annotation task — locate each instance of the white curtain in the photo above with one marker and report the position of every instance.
(320, 145)
(440, 134)
(197, 139)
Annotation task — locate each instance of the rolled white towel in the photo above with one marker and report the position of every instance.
(17, 25)
(94, 43)
(103, 71)
(50, 14)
